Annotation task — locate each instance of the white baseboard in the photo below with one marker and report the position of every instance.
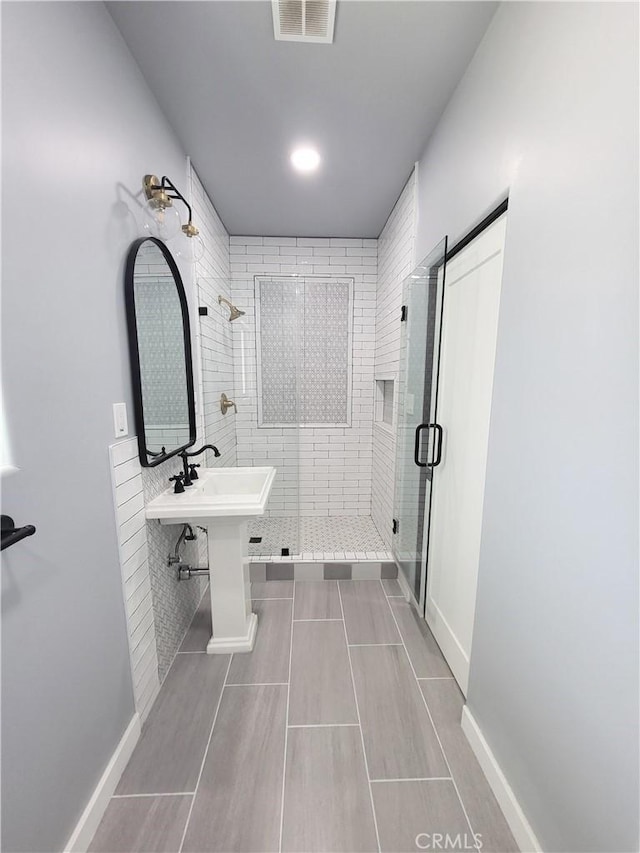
(515, 817)
(92, 815)
(452, 650)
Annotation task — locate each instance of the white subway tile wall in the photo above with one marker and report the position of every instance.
(126, 477)
(214, 332)
(395, 262)
(174, 602)
(334, 462)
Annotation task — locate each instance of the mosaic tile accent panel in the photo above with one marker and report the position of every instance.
(304, 331)
(279, 352)
(326, 352)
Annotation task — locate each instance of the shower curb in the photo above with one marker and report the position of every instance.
(314, 570)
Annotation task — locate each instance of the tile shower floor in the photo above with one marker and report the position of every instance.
(352, 537)
(340, 731)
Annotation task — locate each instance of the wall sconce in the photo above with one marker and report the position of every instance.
(165, 219)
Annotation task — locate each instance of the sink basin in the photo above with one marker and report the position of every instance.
(217, 493)
(223, 500)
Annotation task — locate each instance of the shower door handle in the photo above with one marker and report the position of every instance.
(437, 459)
(416, 446)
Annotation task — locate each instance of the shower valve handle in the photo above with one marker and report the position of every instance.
(226, 404)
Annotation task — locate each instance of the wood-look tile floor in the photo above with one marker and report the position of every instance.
(339, 732)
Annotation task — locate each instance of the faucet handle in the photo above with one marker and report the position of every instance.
(179, 485)
(192, 470)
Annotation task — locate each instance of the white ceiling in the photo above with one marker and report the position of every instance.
(239, 101)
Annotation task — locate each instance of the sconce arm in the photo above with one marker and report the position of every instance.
(166, 182)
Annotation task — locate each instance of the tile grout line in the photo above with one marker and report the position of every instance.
(204, 757)
(184, 636)
(415, 779)
(317, 620)
(322, 725)
(272, 598)
(286, 722)
(163, 794)
(424, 702)
(435, 678)
(355, 696)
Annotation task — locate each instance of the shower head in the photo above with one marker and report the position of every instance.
(235, 312)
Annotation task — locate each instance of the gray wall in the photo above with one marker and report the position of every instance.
(80, 130)
(549, 109)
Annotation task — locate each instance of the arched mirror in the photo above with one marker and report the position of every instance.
(160, 349)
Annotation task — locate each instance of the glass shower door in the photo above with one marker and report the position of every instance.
(254, 359)
(418, 436)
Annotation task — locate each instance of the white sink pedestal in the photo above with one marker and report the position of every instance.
(233, 623)
(223, 500)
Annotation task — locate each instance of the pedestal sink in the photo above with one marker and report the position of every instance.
(223, 500)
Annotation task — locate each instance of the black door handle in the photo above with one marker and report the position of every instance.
(438, 455)
(416, 446)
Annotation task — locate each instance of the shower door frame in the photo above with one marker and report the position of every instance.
(449, 253)
(435, 279)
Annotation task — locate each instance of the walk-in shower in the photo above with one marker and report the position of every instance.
(303, 384)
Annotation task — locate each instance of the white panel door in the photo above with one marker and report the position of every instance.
(469, 331)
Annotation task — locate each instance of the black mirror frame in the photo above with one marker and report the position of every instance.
(134, 352)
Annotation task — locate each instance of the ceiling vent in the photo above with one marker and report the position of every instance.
(304, 20)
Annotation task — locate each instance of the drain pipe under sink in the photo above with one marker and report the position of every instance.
(185, 571)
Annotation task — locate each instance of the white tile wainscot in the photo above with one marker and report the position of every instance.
(128, 501)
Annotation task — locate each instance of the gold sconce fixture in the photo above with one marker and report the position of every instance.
(164, 219)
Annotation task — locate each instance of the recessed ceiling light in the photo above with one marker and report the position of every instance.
(305, 159)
